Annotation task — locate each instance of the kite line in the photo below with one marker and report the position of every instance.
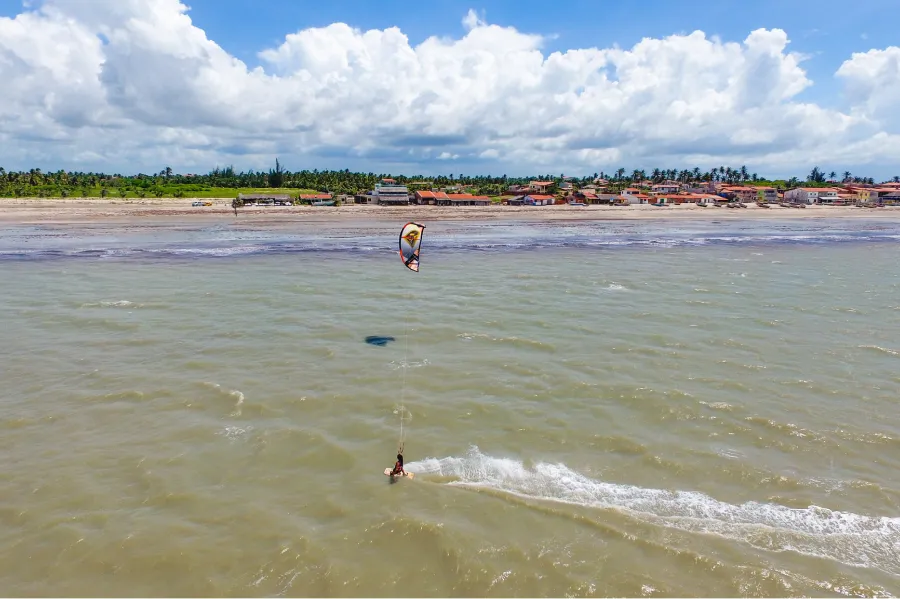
(410, 245)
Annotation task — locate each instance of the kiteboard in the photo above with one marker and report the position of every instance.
(410, 475)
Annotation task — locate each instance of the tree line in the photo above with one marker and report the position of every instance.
(62, 183)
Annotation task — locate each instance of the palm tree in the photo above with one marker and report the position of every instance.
(847, 175)
(832, 175)
(815, 176)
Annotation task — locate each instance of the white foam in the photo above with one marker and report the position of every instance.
(397, 365)
(885, 350)
(853, 539)
(235, 433)
(116, 304)
(239, 396)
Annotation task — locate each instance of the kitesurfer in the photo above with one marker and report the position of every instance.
(398, 467)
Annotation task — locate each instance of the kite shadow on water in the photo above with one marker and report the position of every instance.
(378, 340)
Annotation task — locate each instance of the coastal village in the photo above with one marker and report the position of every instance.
(563, 192)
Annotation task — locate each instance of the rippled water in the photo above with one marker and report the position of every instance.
(593, 409)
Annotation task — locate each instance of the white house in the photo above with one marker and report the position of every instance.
(811, 195)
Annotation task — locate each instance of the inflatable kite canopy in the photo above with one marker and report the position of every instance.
(410, 243)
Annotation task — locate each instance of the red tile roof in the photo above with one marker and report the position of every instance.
(466, 196)
(435, 195)
(540, 197)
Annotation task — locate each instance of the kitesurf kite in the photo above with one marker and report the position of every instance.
(410, 242)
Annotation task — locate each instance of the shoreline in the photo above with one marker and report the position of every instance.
(38, 211)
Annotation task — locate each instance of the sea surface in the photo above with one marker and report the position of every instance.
(590, 409)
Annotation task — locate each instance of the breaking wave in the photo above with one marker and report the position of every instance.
(852, 539)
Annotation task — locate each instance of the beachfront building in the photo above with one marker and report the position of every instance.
(845, 198)
(541, 187)
(665, 188)
(811, 195)
(592, 199)
(585, 197)
(317, 199)
(429, 198)
(440, 198)
(739, 193)
(767, 195)
(625, 199)
(638, 198)
(467, 199)
(874, 195)
(681, 198)
(890, 199)
(386, 193)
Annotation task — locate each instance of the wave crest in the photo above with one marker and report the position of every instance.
(852, 539)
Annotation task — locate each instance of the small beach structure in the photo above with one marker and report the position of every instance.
(467, 199)
(532, 200)
(265, 199)
(440, 198)
(316, 199)
(430, 198)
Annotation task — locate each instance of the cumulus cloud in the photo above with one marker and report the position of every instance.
(134, 83)
(873, 80)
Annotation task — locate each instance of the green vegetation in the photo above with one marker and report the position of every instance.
(228, 183)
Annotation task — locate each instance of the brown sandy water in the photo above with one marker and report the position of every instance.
(195, 412)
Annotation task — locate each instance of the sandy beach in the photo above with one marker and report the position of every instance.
(88, 210)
